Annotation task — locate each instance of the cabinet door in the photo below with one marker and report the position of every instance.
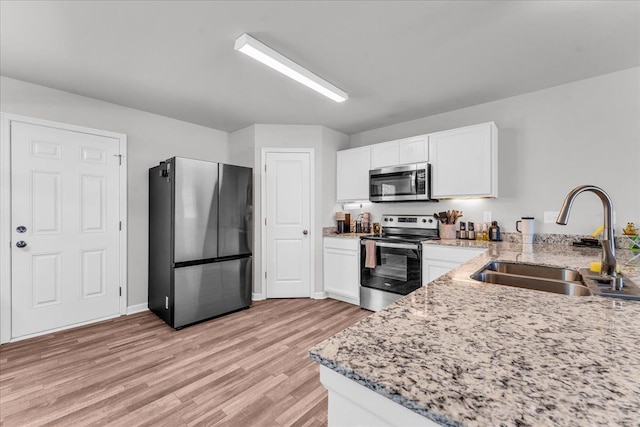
(352, 177)
(449, 253)
(465, 162)
(438, 260)
(433, 269)
(414, 150)
(341, 275)
(385, 154)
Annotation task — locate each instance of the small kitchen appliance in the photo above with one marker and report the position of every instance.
(343, 221)
(391, 263)
(401, 183)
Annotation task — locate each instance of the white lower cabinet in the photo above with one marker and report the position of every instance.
(341, 269)
(352, 404)
(438, 260)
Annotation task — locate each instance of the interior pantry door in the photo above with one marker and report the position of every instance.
(65, 228)
(288, 244)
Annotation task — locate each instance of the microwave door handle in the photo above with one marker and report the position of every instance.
(414, 182)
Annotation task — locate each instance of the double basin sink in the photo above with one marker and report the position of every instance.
(552, 279)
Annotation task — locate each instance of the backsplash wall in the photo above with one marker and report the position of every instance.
(550, 141)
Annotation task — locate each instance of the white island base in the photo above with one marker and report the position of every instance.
(353, 405)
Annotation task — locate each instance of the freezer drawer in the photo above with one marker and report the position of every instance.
(208, 290)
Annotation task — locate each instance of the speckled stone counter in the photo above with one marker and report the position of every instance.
(331, 232)
(465, 353)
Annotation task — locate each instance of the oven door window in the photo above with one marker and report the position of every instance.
(393, 184)
(397, 270)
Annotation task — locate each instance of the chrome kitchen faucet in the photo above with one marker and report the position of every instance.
(608, 268)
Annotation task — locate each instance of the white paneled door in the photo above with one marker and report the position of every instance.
(288, 219)
(65, 228)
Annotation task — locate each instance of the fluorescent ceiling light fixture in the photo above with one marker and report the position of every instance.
(263, 53)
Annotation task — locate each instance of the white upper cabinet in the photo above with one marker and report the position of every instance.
(400, 152)
(385, 154)
(414, 149)
(353, 174)
(465, 162)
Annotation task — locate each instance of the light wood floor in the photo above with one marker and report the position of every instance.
(248, 368)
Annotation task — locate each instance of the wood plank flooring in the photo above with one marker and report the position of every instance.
(248, 368)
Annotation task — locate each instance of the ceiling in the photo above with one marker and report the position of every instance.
(397, 60)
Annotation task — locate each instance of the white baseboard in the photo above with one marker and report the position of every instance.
(344, 298)
(257, 297)
(319, 295)
(63, 328)
(138, 308)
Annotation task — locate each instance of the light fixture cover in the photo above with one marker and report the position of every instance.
(263, 53)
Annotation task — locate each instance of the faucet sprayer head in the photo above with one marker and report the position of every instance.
(563, 215)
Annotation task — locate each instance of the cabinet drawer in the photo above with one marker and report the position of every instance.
(450, 254)
(345, 243)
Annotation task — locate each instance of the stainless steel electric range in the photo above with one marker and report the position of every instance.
(391, 266)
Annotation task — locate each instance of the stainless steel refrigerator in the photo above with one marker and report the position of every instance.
(200, 240)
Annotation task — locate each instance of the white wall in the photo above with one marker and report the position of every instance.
(242, 145)
(151, 138)
(325, 142)
(550, 141)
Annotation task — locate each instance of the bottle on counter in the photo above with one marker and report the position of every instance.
(485, 232)
(366, 227)
(471, 233)
(494, 232)
(478, 231)
(340, 218)
(463, 230)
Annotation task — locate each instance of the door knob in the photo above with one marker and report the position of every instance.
(305, 232)
(21, 229)
(21, 244)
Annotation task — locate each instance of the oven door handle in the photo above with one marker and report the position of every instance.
(394, 245)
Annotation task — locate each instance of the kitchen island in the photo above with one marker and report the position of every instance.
(458, 352)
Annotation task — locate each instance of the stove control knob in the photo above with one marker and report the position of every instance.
(386, 219)
(424, 220)
(391, 219)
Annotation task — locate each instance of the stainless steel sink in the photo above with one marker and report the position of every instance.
(554, 279)
(538, 271)
(537, 277)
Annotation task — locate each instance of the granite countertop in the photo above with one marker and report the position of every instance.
(466, 353)
(346, 235)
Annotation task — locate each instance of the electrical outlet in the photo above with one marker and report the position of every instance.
(550, 216)
(487, 217)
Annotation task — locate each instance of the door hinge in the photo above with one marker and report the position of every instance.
(265, 168)
(265, 274)
(119, 156)
(166, 303)
(120, 290)
(120, 226)
(265, 221)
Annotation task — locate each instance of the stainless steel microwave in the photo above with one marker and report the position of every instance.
(400, 183)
